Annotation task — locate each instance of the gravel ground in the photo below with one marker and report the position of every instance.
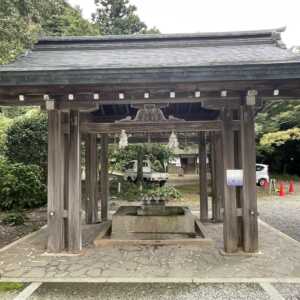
(8, 295)
(288, 291)
(132, 291)
(282, 213)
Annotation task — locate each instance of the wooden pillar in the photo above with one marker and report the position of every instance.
(218, 175)
(66, 142)
(230, 212)
(213, 176)
(104, 179)
(239, 194)
(74, 185)
(203, 178)
(56, 241)
(91, 179)
(250, 226)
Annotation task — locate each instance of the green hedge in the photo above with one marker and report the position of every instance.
(27, 139)
(21, 186)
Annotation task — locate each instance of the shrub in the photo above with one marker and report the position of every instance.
(26, 140)
(14, 219)
(21, 186)
(129, 190)
(166, 192)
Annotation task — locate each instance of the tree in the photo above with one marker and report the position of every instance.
(69, 23)
(116, 17)
(23, 21)
(278, 136)
(158, 154)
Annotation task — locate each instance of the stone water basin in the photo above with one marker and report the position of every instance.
(153, 222)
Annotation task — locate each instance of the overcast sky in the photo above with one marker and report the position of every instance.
(177, 16)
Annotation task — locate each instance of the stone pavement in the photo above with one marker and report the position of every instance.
(26, 261)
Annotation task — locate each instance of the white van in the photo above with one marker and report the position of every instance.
(262, 174)
(149, 174)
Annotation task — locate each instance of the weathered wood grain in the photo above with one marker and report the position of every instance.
(55, 183)
(203, 177)
(153, 127)
(74, 186)
(91, 179)
(219, 176)
(230, 230)
(104, 179)
(249, 187)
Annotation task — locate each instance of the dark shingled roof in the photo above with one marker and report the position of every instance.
(155, 51)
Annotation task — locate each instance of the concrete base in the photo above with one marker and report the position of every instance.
(176, 222)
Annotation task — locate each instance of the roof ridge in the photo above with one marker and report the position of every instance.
(271, 33)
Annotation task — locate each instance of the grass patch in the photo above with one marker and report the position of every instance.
(10, 286)
(190, 192)
(188, 188)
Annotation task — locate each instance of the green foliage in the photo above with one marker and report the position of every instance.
(15, 111)
(129, 190)
(132, 192)
(10, 286)
(20, 186)
(14, 219)
(278, 136)
(27, 139)
(158, 154)
(4, 125)
(69, 22)
(116, 17)
(22, 21)
(168, 193)
(278, 116)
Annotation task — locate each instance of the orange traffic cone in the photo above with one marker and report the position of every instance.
(292, 187)
(281, 190)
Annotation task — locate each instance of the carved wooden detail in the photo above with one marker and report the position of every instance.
(149, 113)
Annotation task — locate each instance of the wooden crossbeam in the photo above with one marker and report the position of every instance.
(168, 126)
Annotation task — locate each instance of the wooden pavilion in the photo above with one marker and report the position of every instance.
(151, 85)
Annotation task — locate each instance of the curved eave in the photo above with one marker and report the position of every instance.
(248, 72)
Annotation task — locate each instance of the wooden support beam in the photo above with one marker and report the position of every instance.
(153, 127)
(239, 194)
(230, 217)
(66, 141)
(219, 176)
(249, 185)
(56, 241)
(91, 179)
(203, 178)
(104, 178)
(74, 186)
(212, 174)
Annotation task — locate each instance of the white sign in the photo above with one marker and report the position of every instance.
(234, 177)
